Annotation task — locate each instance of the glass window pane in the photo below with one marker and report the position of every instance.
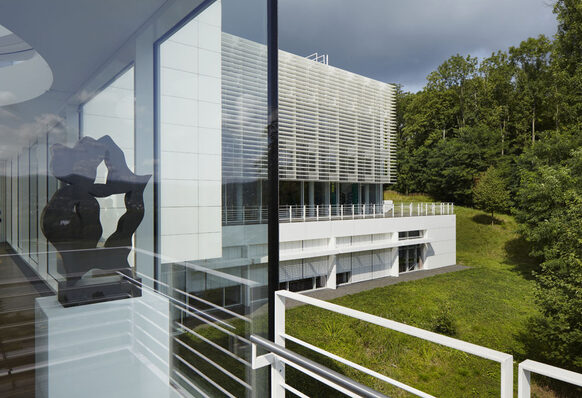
(121, 146)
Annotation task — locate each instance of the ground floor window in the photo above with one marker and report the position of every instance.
(301, 284)
(410, 258)
(342, 277)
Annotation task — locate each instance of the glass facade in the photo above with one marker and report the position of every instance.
(118, 276)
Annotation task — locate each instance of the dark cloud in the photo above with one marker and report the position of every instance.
(402, 41)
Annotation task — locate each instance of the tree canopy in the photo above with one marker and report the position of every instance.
(506, 131)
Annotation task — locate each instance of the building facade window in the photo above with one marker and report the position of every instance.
(410, 258)
(404, 235)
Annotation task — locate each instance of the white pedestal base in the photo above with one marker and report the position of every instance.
(114, 349)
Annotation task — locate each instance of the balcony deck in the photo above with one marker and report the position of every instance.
(19, 288)
(290, 214)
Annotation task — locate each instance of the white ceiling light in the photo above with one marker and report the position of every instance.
(24, 74)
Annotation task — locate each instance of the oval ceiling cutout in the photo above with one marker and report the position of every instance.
(24, 74)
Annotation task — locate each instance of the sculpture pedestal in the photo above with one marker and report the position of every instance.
(97, 290)
(111, 349)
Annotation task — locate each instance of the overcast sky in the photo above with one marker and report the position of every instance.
(402, 41)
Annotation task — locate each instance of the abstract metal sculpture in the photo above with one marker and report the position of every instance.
(70, 221)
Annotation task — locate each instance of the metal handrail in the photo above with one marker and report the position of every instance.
(505, 360)
(528, 366)
(301, 213)
(293, 358)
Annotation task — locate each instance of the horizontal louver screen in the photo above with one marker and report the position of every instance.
(334, 125)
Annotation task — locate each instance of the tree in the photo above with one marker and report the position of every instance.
(454, 78)
(490, 193)
(549, 211)
(532, 58)
(498, 93)
(453, 164)
(567, 62)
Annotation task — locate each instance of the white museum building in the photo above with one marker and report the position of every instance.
(337, 152)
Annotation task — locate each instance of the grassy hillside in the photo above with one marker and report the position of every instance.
(487, 305)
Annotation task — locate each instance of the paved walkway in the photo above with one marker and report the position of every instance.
(357, 287)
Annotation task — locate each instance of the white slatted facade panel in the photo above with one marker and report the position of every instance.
(381, 262)
(344, 262)
(315, 266)
(244, 108)
(290, 270)
(334, 125)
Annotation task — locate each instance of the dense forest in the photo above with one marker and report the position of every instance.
(504, 134)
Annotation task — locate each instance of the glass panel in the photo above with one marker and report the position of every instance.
(211, 98)
(111, 112)
(120, 275)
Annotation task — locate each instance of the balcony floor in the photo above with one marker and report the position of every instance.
(19, 287)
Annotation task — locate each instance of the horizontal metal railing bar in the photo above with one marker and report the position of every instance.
(214, 364)
(299, 213)
(552, 371)
(470, 348)
(152, 353)
(201, 374)
(179, 304)
(322, 371)
(236, 336)
(358, 367)
(242, 317)
(213, 344)
(294, 390)
(192, 385)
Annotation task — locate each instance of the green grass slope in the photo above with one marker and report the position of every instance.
(486, 305)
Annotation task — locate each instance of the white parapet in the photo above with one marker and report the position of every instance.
(111, 349)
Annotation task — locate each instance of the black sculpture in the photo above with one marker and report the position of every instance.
(70, 221)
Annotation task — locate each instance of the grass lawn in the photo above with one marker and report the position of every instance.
(486, 305)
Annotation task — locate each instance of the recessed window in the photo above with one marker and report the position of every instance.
(409, 235)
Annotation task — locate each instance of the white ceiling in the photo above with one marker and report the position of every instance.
(75, 37)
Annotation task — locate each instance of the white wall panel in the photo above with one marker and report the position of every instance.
(190, 139)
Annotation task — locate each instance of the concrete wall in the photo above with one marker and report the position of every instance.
(367, 248)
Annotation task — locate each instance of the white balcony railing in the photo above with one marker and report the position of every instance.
(278, 356)
(527, 367)
(258, 214)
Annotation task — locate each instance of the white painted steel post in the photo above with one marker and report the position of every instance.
(364, 211)
(329, 212)
(278, 368)
(352, 212)
(317, 212)
(410, 210)
(433, 209)
(290, 214)
(523, 382)
(507, 378)
(243, 215)
(260, 214)
(374, 209)
(304, 208)
(342, 212)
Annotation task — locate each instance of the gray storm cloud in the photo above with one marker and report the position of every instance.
(395, 41)
(403, 41)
